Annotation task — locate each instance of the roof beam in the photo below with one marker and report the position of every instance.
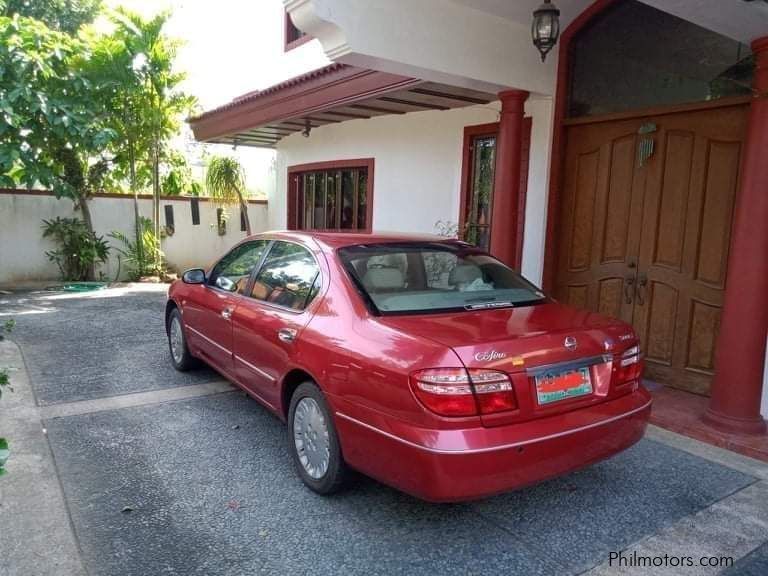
(378, 109)
(449, 96)
(334, 86)
(426, 105)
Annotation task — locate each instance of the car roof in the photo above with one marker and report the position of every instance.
(334, 240)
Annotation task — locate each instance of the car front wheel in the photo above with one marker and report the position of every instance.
(314, 442)
(181, 358)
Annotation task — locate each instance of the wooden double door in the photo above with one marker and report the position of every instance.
(645, 229)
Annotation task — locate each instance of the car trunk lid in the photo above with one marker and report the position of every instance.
(549, 342)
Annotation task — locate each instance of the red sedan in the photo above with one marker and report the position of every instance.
(420, 361)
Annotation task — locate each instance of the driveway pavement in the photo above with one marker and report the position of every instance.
(97, 344)
(169, 474)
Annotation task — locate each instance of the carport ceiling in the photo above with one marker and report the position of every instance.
(336, 93)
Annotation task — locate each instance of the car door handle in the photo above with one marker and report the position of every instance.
(286, 334)
(226, 313)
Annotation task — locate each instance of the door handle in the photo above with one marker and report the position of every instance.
(641, 289)
(226, 313)
(629, 288)
(286, 334)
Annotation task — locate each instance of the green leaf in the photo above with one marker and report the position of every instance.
(4, 452)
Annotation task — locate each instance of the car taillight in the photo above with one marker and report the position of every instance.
(494, 391)
(460, 392)
(628, 366)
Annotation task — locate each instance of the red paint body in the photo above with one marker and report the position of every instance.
(362, 363)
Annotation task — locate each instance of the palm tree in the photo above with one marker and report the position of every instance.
(225, 181)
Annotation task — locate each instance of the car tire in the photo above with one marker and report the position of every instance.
(311, 435)
(181, 357)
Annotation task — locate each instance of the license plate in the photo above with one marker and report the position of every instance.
(562, 385)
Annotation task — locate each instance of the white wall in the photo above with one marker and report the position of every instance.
(441, 41)
(418, 168)
(22, 247)
(417, 164)
(542, 112)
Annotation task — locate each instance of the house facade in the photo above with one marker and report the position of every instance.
(626, 173)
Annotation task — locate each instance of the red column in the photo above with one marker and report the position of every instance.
(737, 387)
(506, 184)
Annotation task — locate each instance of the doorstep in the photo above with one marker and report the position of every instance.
(681, 412)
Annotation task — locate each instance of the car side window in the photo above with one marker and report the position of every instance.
(233, 271)
(289, 277)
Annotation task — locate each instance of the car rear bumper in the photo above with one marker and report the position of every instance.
(455, 465)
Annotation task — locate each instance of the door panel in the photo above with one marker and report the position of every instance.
(615, 238)
(261, 356)
(600, 219)
(689, 199)
(269, 321)
(208, 312)
(649, 243)
(205, 315)
(673, 203)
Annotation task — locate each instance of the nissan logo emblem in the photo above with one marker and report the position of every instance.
(570, 343)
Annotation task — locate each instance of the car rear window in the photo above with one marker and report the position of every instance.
(420, 277)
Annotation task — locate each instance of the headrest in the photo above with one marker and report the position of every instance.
(464, 274)
(383, 279)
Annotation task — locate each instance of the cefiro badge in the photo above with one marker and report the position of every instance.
(489, 356)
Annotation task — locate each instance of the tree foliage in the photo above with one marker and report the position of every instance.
(63, 15)
(225, 182)
(50, 126)
(133, 70)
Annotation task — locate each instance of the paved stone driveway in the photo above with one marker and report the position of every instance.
(203, 485)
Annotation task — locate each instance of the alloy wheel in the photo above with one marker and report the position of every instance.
(310, 435)
(177, 340)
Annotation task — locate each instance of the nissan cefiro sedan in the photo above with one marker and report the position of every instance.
(422, 362)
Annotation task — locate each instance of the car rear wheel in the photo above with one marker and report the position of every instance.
(181, 358)
(314, 442)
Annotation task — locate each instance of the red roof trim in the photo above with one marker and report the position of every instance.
(322, 89)
(255, 94)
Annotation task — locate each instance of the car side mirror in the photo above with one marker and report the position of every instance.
(194, 276)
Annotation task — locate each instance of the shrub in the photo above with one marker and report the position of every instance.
(79, 248)
(143, 258)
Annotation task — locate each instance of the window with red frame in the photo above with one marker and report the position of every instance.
(328, 197)
(293, 36)
(477, 183)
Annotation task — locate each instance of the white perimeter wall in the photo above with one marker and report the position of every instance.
(417, 175)
(22, 247)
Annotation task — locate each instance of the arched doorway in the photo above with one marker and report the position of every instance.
(653, 132)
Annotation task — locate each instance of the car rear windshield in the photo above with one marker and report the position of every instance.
(415, 277)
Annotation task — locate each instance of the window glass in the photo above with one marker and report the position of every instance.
(333, 199)
(233, 271)
(478, 216)
(287, 277)
(634, 56)
(435, 277)
(292, 34)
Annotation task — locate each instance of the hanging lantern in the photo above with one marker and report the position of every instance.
(546, 27)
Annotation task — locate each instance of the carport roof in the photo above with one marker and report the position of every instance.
(335, 93)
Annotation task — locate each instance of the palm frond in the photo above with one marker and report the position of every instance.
(225, 180)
